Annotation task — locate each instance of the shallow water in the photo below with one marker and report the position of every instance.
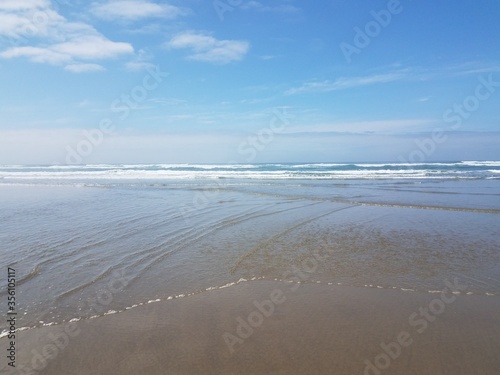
(84, 248)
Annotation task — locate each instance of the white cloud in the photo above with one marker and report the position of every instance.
(140, 62)
(84, 103)
(136, 66)
(410, 73)
(83, 68)
(42, 35)
(36, 54)
(134, 9)
(207, 48)
(11, 24)
(345, 83)
(399, 126)
(22, 4)
(474, 68)
(92, 47)
(23, 24)
(282, 8)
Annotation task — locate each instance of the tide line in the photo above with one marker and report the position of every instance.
(231, 284)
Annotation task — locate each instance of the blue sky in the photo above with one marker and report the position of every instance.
(210, 81)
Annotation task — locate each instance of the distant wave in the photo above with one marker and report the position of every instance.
(270, 171)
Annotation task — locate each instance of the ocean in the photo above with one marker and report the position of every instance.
(272, 171)
(99, 239)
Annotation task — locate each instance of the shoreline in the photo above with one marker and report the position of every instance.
(243, 280)
(315, 328)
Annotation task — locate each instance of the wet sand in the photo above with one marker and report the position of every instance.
(373, 265)
(310, 329)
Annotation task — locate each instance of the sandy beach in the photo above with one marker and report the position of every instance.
(308, 329)
(266, 277)
(247, 187)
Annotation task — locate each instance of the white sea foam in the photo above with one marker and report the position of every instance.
(314, 171)
(241, 280)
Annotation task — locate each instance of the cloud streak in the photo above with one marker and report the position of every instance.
(345, 83)
(206, 48)
(133, 10)
(83, 68)
(258, 6)
(397, 126)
